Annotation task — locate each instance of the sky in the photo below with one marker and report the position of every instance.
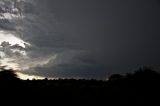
(79, 38)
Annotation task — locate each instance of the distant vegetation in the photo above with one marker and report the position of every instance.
(141, 87)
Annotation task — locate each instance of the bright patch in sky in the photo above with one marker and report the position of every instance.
(10, 16)
(30, 77)
(11, 50)
(14, 56)
(9, 63)
(12, 39)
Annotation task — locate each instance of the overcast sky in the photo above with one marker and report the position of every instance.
(83, 38)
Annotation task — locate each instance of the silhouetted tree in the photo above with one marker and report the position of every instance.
(8, 74)
(115, 77)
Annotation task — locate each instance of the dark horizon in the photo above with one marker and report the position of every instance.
(141, 87)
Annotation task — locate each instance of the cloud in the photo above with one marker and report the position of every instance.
(16, 52)
(89, 39)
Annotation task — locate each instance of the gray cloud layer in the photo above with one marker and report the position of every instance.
(90, 39)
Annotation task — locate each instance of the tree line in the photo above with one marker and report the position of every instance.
(140, 87)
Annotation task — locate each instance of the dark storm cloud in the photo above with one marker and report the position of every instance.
(92, 38)
(114, 36)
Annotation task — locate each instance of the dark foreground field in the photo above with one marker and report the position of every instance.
(142, 87)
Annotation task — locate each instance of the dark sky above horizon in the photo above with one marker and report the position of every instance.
(85, 38)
